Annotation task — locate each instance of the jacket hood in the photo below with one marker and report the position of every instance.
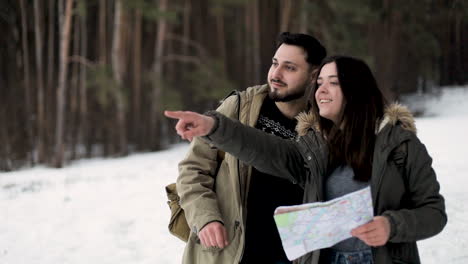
(398, 114)
(394, 114)
(305, 122)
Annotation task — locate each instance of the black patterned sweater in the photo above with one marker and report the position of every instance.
(266, 192)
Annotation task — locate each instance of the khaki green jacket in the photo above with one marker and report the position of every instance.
(211, 188)
(403, 184)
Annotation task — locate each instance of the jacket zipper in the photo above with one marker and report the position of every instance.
(377, 189)
(242, 211)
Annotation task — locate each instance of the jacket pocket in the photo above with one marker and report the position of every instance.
(220, 255)
(212, 250)
(403, 253)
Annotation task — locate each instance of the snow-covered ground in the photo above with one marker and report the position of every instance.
(106, 211)
(114, 211)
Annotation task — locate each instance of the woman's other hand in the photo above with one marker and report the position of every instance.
(375, 233)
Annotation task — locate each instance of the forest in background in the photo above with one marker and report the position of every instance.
(86, 78)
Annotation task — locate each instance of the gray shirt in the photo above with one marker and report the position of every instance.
(340, 182)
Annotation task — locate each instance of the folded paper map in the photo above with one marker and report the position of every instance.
(307, 227)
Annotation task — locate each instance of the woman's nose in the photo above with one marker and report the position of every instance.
(322, 88)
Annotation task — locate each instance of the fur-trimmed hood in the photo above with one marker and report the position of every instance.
(394, 113)
(306, 121)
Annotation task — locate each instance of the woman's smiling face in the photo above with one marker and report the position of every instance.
(329, 96)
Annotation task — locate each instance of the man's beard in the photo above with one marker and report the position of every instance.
(275, 96)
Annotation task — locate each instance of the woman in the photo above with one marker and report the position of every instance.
(349, 140)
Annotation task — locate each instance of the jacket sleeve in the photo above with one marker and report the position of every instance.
(426, 216)
(267, 153)
(197, 172)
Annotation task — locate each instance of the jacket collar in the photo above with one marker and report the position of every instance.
(394, 114)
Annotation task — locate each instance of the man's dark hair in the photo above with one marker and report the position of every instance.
(315, 52)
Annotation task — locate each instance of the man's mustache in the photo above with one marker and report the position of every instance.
(277, 81)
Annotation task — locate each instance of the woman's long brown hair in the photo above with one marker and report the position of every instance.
(352, 141)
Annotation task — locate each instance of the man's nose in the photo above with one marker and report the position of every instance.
(277, 73)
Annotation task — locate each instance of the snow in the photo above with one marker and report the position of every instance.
(105, 211)
(114, 210)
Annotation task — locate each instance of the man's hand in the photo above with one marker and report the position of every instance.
(213, 235)
(375, 233)
(191, 124)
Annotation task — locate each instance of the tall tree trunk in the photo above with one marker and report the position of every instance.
(118, 67)
(221, 35)
(51, 44)
(102, 32)
(137, 77)
(155, 114)
(248, 66)
(50, 87)
(445, 63)
(38, 21)
(61, 89)
(186, 50)
(5, 150)
(458, 50)
(256, 52)
(238, 47)
(83, 128)
(386, 49)
(95, 132)
(27, 79)
(72, 127)
(303, 23)
(186, 25)
(285, 14)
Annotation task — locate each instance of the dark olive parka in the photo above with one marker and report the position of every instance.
(403, 183)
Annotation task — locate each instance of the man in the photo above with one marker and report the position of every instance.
(229, 206)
